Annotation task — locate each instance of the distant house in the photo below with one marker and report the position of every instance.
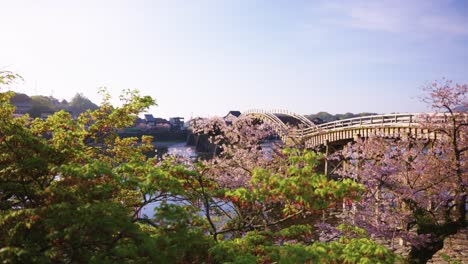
(177, 123)
(161, 121)
(139, 123)
(157, 123)
(22, 108)
(161, 125)
(150, 121)
(231, 116)
(45, 115)
(233, 113)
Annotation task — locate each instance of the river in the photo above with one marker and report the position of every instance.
(182, 149)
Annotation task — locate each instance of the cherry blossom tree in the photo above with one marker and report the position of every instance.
(416, 188)
(263, 189)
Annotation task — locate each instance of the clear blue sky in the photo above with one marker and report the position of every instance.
(204, 58)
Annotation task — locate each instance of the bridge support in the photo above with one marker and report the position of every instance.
(332, 165)
(326, 157)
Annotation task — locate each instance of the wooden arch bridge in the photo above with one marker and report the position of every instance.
(297, 129)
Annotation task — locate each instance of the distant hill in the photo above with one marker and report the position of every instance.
(38, 104)
(325, 117)
(460, 108)
(20, 98)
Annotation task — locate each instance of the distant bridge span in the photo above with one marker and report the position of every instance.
(294, 128)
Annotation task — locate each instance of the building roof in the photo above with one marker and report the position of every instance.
(160, 120)
(149, 118)
(234, 113)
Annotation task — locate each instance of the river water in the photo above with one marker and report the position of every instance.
(181, 149)
(176, 148)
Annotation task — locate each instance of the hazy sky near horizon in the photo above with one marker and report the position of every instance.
(206, 57)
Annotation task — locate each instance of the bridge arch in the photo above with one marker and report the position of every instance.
(312, 136)
(286, 124)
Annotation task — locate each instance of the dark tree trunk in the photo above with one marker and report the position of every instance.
(439, 233)
(423, 254)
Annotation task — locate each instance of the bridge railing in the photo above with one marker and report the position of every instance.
(274, 111)
(395, 120)
(282, 128)
(370, 120)
(302, 118)
(407, 119)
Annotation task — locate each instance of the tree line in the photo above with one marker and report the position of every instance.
(324, 117)
(49, 104)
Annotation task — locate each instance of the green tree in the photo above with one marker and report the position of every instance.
(67, 198)
(80, 103)
(41, 104)
(260, 247)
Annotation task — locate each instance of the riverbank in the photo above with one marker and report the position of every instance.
(166, 136)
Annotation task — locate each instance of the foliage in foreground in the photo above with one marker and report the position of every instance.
(71, 191)
(257, 247)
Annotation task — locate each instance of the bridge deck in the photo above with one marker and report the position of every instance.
(390, 125)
